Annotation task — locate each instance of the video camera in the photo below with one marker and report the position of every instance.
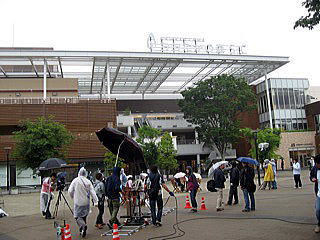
(61, 181)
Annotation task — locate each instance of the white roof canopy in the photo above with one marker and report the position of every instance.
(133, 72)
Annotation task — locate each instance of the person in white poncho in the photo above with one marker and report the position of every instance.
(80, 191)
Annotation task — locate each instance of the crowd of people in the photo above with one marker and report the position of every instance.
(115, 190)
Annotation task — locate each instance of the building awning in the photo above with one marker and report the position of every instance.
(310, 148)
(101, 72)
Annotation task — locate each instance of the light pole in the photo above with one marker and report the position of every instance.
(7, 150)
(255, 137)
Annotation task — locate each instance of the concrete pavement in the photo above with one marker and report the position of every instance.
(274, 208)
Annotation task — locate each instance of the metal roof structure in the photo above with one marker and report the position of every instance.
(101, 72)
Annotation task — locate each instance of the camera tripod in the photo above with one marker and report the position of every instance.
(60, 196)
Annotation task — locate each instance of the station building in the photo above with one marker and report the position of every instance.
(87, 91)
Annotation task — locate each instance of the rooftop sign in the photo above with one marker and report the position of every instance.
(191, 45)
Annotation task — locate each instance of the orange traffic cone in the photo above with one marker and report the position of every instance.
(67, 233)
(203, 205)
(115, 233)
(187, 202)
(62, 233)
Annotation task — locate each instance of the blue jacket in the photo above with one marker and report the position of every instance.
(113, 185)
(313, 174)
(219, 178)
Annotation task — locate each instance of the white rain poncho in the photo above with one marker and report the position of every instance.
(46, 194)
(80, 190)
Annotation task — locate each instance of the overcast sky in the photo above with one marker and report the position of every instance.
(265, 27)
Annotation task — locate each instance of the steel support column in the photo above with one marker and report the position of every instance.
(108, 80)
(44, 80)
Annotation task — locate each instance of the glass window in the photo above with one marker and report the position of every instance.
(291, 98)
(317, 122)
(286, 98)
(280, 96)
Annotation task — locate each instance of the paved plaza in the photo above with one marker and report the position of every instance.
(286, 213)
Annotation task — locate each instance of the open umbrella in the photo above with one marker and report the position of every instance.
(248, 160)
(122, 145)
(179, 175)
(215, 166)
(52, 163)
(198, 176)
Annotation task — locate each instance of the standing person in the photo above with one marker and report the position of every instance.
(296, 173)
(268, 175)
(282, 164)
(234, 183)
(100, 191)
(192, 187)
(154, 186)
(113, 190)
(123, 178)
(46, 195)
(248, 187)
(219, 180)
(274, 168)
(315, 177)
(80, 191)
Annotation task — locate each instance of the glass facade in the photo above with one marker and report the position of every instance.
(317, 122)
(287, 99)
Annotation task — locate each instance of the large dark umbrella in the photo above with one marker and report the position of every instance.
(52, 163)
(123, 146)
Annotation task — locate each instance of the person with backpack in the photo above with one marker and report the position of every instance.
(154, 185)
(113, 190)
(100, 191)
(192, 186)
(219, 180)
(234, 183)
(248, 187)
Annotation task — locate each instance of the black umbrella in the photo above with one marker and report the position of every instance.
(122, 145)
(52, 163)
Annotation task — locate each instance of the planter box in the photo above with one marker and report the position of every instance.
(14, 191)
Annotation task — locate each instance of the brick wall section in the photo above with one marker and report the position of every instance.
(82, 119)
(288, 138)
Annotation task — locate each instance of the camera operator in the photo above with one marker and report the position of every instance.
(46, 195)
(80, 190)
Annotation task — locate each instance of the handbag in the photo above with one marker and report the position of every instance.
(211, 186)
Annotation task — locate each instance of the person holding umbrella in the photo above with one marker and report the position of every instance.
(46, 195)
(80, 191)
(248, 187)
(192, 187)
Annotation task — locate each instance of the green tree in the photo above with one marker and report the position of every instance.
(39, 140)
(312, 18)
(213, 105)
(147, 138)
(268, 135)
(110, 160)
(167, 153)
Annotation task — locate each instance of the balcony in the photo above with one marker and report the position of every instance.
(171, 124)
(125, 121)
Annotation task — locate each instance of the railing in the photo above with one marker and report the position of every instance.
(186, 141)
(58, 100)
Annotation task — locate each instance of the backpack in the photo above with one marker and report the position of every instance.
(211, 186)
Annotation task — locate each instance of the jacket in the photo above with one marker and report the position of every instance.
(247, 177)
(313, 174)
(113, 185)
(269, 174)
(296, 168)
(234, 176)
(219, 178)
(192, 180)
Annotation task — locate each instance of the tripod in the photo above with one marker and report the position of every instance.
(60, 196)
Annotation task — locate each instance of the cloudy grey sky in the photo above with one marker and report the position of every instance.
(265, 27)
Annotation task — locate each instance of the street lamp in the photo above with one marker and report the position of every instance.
(7, 150)
(255, 137)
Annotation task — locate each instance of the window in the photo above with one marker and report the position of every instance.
(317, 123)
